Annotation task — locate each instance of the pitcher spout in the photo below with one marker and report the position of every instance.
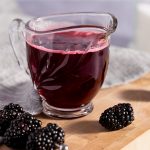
(113, 24)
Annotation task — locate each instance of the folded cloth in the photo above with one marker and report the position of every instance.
(15, 85)
(126, 65)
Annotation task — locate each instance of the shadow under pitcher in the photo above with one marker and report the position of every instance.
(66, 56)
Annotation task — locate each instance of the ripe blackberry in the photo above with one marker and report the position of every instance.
(17, 134)
(48, 138)
(57, 133)
(12, 106)
(117, 117)
(40, 140)
(9, 113)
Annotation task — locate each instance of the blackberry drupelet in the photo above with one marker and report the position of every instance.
(117, 117)
(17, 134)
(9, 113)
(57, 133)
(40, 140)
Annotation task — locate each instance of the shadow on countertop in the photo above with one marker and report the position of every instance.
(136, 95)
(84, 127)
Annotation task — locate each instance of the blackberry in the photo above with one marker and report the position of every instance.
(57, 133)
(40, 140)
(12, 106)
(9, 113)
(17, 134)
(117, 117)
(48, 138)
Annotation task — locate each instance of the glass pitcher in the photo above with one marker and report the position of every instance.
(66, 56)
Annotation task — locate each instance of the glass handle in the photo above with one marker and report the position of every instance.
(17, 40)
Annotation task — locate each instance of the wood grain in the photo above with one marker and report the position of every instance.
(86, 134)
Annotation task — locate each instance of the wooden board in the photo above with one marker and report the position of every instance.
(86, 134)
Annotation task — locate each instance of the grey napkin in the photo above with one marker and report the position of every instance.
(15, 86)
(126, 65)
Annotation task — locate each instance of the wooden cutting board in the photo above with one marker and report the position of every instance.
(86, 134)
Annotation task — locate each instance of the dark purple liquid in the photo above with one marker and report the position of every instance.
(71, 78)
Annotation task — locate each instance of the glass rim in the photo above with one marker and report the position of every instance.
(54, 15)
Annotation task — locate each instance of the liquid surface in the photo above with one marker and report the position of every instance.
(68, 68)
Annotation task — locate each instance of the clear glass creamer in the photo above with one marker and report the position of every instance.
(66, 56)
